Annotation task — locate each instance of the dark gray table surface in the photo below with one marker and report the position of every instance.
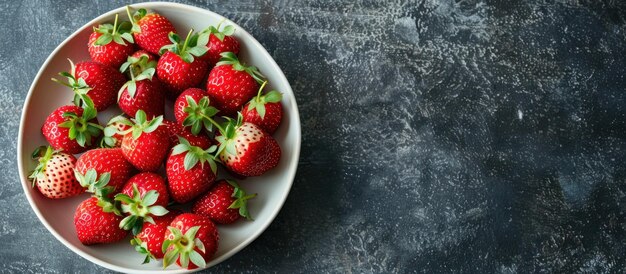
(438, 135)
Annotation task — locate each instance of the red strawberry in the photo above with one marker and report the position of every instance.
(264, 111)
(177, 69)
(106, 160)
(54, 174)
(225, 203)
(245, 149)
(150, 240)
(97, 222)
(71, 129)
(107, 45)
(114, 131)
(177, 130)
(150, 30)
(143, 197)
(143, 91)
(93, 83)
(231, 84)
(192, 108)
(147, 144)
(191, 240)
(220, 41)
(148, 181)
(187, 172)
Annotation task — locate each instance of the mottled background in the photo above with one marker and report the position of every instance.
(438, 135)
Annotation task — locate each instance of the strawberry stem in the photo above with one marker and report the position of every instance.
(130, 17)
(115, 24)
(220, 128)
(258, 95)
(186, 41)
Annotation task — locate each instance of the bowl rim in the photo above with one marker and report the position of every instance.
(292, 167)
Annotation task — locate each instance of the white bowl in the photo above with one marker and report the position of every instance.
(57, 215)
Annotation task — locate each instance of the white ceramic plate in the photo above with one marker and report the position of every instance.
(57, 215)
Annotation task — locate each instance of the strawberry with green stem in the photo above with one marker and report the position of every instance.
(264, 111)
(146, 144)
(53, 175)
(106, 160)
(111, 44)
(231, 84)
(191, 108)
(142, 206)
(245, 148)
(224, 203)
(96, 222)
(150, 30)
(220, 41)
(191, 240)
(143, 91)
(71, 129)
(187, 174)
(178, 68)
(94, 84)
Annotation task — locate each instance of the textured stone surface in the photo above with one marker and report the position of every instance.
(438, 135)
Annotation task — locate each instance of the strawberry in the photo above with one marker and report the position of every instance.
(143, 91)
(106, 160)
(114, 131)
(150, 30)
(264, 111)
(220, 41)
(150, 240)
(187, 173)
(149, 62)
(97, 222)
(71, 128)
(144, 196)
(177, 69)
(191, 240)
(147, 144)
(175, 130)
(231, 84)
(191, 109)
(54, 175)
(245, 149)
(93, 83)
(224, 203)
(107, 46)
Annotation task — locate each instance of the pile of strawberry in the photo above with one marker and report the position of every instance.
(141, 65)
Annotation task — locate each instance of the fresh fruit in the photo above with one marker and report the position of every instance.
(96, 222)
(245, 149)
(264, 111)
(175, 130)
(192, 108)
(114, 131)
(111, 44)
(93, 83)
(150, 240)
(147, 143)
(177, 69)
(191, 240)
(71, 129)
(150, 30)
(143, 91)
(220, 41)
(54, 174)
(232, 84)
(224, 203)
(143, 197)
(187, 172)
(106, 160)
